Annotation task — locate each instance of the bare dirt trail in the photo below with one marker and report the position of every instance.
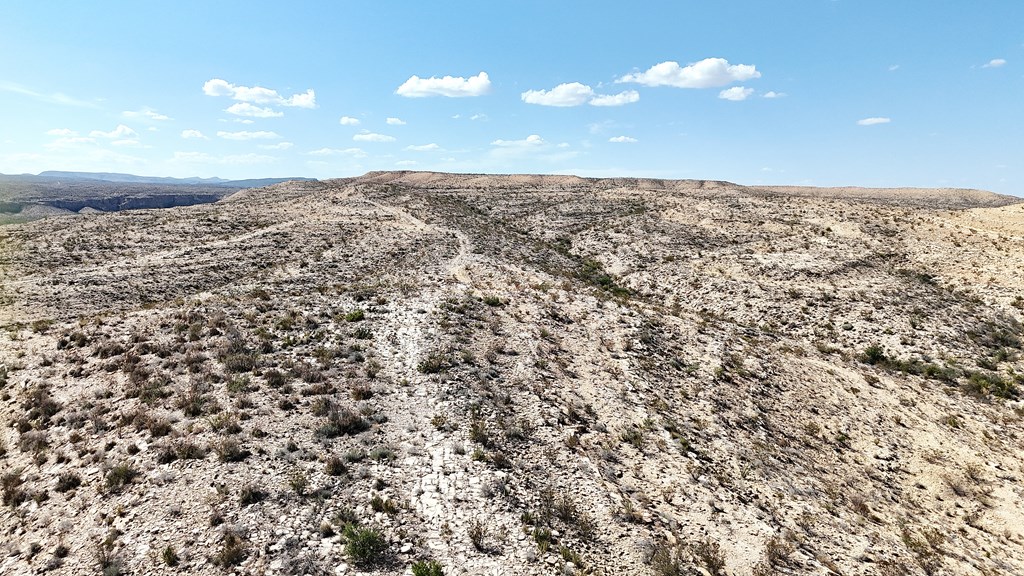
(458, 266)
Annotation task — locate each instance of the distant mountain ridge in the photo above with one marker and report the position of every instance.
(30, 196)
(50, 175)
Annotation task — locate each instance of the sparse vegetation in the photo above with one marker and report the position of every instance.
(366, 546)
(443, 358)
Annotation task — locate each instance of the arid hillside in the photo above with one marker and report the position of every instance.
(422, 373)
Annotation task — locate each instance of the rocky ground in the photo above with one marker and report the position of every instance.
(418, 373)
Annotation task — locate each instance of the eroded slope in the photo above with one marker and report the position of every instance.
(515, 375)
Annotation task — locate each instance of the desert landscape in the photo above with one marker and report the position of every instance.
(427, 373)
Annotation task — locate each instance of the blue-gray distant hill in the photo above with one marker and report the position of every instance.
(29, 196)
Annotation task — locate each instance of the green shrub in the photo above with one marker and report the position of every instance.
(434, 363)
(68, 481)
(356, 315)
(232, 551)
(342, 423)
(169, 556)
(298, 482)
(250, 495)
(242, 362)
(120, 475)
(335, 466)
(364, 545)
(385, 505)
(873, 355)
(427, 568)
(229, 450)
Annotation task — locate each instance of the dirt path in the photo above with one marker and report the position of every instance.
(458, 267)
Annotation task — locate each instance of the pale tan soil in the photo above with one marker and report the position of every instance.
(635, 365)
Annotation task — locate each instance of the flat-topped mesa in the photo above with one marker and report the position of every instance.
(419, 179)
(923, 197)
(943, 198)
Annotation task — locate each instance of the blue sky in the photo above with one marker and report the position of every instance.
(817, 92)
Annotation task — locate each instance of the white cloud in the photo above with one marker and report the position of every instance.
(620, 99)
(395, 121)
(193, 134)
(873, 121)
(406, 163)
(126, 142)
(245, 135)
(258, 94)
(995, 63)
(570, 94)
(145, 113)
(576, 94)
(452, 87)
(478, 117)
(246, 109)
(773, 94)
(349, 121)
(278, 146)
(62, 132)
(708, 73)
(894, 67)
(423, 147)
(354, 152)
(373, 137)
(736, 93)
(531, 140)
(305, 100)
(622, 139)
(120, 132)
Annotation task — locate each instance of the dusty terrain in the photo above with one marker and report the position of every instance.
(517, 375)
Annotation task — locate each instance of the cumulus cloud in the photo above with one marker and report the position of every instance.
(873, 121)
(259, 94)
(773, 94)
(995, 63)
(423, 147)
(736, 93)
(245, 135)
(126, 142)
(570, 94)
(348, 121)
(246, 109)
(622, 139)
(450, 86)
(395, 121)
(120, 132)
(531, 140)
(278, 146)
(577, 94)
(145, 113)
(373, 137)
(620, 99)
(62, 132)
(708, 73)
(193, 134)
